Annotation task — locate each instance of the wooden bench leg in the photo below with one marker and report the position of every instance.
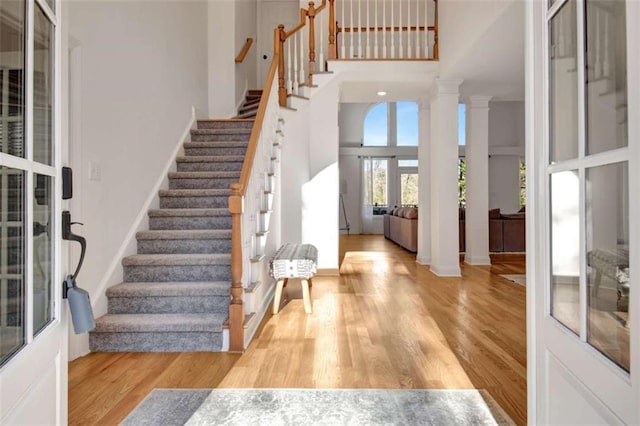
(306, 296)
(278, 296)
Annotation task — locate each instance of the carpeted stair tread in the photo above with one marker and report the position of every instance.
(170, 289)
(150, 323)
(248, 114)
(216, 144)
(177, 259)
(204, 175)
(194, 192)
(207, 234)
(233, 131)
(189, 212)
(211, 159)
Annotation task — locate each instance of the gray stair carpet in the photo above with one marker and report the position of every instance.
(249, 108)
(176, 290)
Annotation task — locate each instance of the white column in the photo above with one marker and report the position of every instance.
(444, 180)
(477, 156)
(424, 191)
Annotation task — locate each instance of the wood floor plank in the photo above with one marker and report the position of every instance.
(385, 322)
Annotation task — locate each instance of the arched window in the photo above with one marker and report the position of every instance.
(375, 126)
(407, 124)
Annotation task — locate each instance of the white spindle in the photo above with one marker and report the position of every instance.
(375, 30)
(359, 28)
(303, 76)
(343, 50)
(367, 40)
(393, 31)
(417, 29)
(289, 81)
(296, 82)
(409, 41)
(321, 56)
(352, 33)
(384, 30)
(400, 41)
(426, 29)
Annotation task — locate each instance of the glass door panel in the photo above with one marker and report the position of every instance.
(42, 89)
(42, 252)
(563, 84)
(565, 249)
(12, 64)
(12, 259)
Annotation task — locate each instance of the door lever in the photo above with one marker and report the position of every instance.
(67, 234)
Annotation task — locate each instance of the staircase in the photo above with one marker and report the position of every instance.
(249, 107)
(176, 290)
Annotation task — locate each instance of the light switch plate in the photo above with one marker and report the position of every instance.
(95, 172)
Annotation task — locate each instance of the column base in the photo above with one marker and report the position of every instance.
(477, 260)
(446, 271)
(423, 260)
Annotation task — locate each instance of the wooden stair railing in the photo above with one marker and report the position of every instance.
(238, 201)
(243, 52)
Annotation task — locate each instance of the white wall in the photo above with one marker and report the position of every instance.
(271, 13)
(137, 80)
(506, 149)
(246, 26)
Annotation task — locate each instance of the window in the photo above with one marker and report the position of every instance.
(462, 182)
(375, 184)
(375, 126)
(462, 124)
(523, 183)
(407, 123)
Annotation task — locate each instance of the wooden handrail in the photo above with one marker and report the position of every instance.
(244, 51)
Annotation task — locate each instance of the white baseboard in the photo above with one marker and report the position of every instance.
(114, 274)
(423, 260)
(446, 271)
(477, 260)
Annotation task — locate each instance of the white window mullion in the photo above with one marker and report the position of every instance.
(28, 190)
(47, 11)
(580, 65)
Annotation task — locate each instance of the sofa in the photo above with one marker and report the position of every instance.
(401, 227)
(507, 232)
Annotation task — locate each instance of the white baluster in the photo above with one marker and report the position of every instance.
(359, 28)
(343, 50)
(393, 33)
(321, 56)
(417, 29)
(400, 41)
(289, 81)
(303, 76)
(367, 41)
(384, 30)
(375, 31)
(352, 33)
(426, 29)
(296, 83)
(409, 38)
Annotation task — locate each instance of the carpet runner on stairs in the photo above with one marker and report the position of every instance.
(175, 294)
(249, 108)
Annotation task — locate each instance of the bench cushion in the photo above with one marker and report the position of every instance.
(294, 261)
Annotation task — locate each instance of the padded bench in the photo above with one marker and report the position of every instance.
(294, 261)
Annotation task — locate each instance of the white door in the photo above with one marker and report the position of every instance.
(33, 336)
(583, 68)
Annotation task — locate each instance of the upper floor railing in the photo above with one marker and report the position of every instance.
(354, 30)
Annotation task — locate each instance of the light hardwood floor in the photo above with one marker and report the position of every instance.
(386, 322)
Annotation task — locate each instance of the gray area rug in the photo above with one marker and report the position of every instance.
(519, 279)
(317, 407)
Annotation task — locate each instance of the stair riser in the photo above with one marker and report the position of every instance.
(169, 305)
(211, 166)
(218, 183)
(164, 273)
(189, 222)
(220, 137)
(156, 342)
(194, 202)
(247, 108)
(214, 151)
(183, 246)
(225, 124)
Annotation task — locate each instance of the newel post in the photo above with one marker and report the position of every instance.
(279, 38)
(333, 51)
(311, 13)
(236, 308)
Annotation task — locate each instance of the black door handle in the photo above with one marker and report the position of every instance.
(67, 234)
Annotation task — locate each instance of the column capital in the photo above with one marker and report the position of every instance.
(424, 104)
(447, 87)
(479, 101)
